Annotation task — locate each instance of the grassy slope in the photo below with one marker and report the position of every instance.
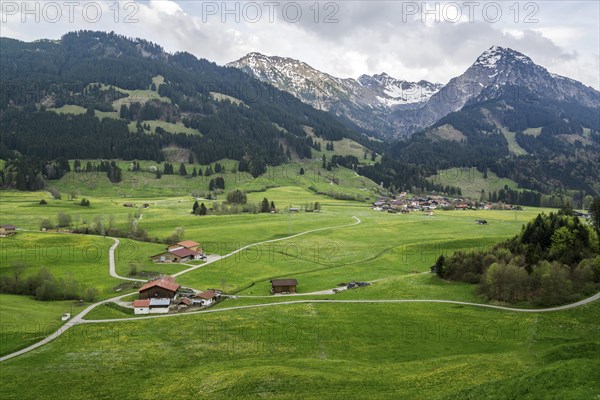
(24, 320)
(370, 351)
(471, 181)
(68, 109)
(363, 351)
(513, 146)
(167, 126)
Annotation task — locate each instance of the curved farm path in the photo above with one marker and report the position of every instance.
(112, 266)
(78, 319)
(210, 261)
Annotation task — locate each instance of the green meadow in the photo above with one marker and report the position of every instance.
(284, 351)
(315, 351)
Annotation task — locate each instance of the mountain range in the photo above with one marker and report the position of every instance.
(395, 108)
(367, 101)
(102, 95)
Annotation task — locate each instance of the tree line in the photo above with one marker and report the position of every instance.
(555, 259)
(43, 285)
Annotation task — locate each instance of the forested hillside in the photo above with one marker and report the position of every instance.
(120, 86)
(554, 259)
(543, 145)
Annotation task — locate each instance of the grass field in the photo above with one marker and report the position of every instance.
(471, 181)
(24, 321)
(69, 109)
(167, 126)
(313, 351)
(513, 146)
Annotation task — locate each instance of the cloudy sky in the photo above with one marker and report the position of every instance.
(409, 40)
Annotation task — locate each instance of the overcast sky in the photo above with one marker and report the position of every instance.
(409, 40)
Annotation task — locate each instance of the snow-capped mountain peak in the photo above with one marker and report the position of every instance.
(497, 55)
(363, 100)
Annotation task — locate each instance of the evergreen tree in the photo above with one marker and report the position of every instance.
(264, 208)
(182, 170)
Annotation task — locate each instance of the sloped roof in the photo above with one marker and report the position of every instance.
(284, 282)
(205, 295)
(163, 283)
(188, 243)
(141, 303)
(160, 302)
(183, 252)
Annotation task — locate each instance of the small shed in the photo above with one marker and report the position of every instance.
(283, 285)
(141, 307)
(163, 288)
(205, 298)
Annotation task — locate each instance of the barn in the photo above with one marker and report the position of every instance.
(165, 257)
(163, 288)
(181, 252)
(283, 286)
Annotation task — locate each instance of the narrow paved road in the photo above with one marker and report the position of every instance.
(112, 266)
(374, 301)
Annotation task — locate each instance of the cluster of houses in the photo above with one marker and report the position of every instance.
(164, 295)
(404, 204)
(181, 252)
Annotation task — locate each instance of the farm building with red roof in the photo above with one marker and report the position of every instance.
(159, 288)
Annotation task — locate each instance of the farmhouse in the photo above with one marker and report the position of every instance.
(180, 252)
(159, 288)
(7, 230)
(283, 286)
(186, 254)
